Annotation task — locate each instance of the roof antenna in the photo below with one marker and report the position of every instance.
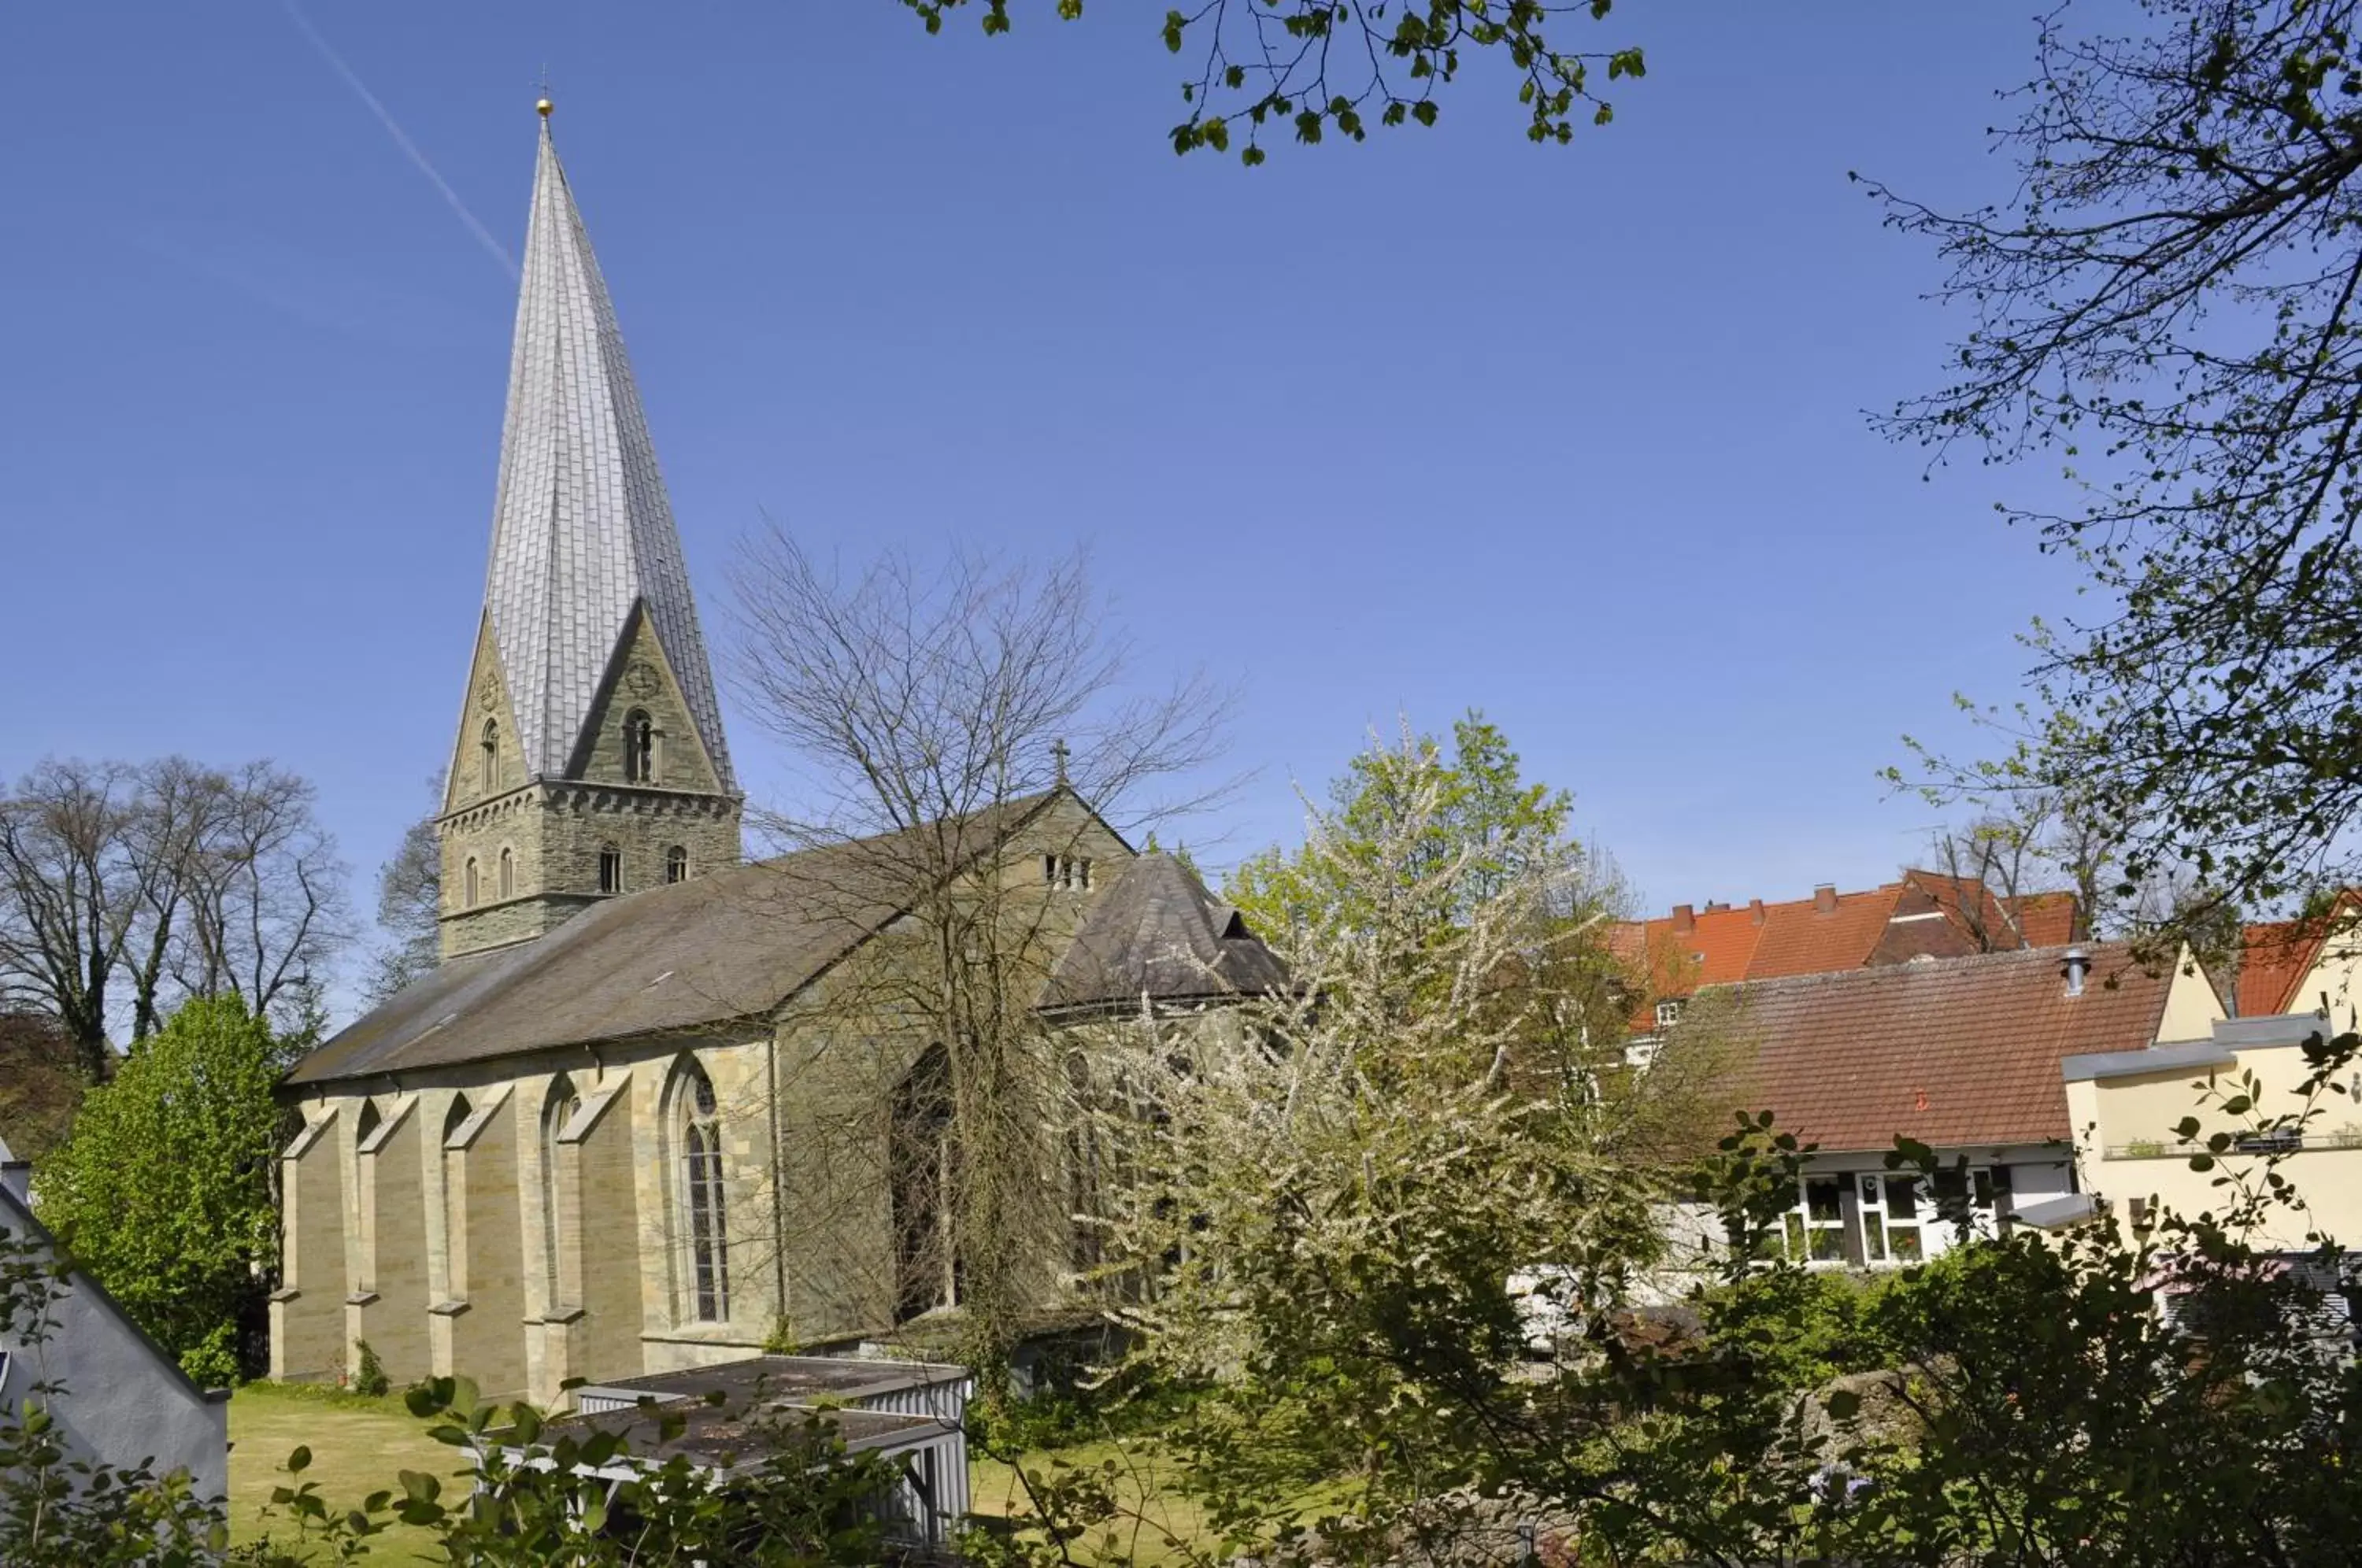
(1058, 754)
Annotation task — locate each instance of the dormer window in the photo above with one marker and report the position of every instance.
(1669, 1014)
(610, 869)
(489, 779)
(639, 747)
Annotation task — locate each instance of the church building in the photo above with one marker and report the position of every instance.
(655, 1108)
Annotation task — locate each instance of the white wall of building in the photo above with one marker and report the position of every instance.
(124, 1401)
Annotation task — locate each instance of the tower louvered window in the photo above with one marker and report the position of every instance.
(639, 747)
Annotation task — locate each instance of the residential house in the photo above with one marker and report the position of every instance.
(120, 1400)
(1963, 1055)
(1921, 915)
(2129, 1107)
(2304, 966)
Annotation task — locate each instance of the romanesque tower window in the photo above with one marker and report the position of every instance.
(697, 1145)
(677, 863)
(639, 747)
(454, 1195)
(489, 779)
(555, 1112)
(471, 884)
(508, 873)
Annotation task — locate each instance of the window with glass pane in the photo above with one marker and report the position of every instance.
(698, 1127)
(1903, 1241)
(1824, 1220)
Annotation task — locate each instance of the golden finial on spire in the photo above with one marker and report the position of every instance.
(542, 108)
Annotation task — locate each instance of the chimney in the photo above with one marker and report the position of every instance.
(2075, 965)
(1755, 911)
(1685, 920)
(1825, 898)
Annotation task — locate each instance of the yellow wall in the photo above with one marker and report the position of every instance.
(2191, 1004)
(2127, 1147)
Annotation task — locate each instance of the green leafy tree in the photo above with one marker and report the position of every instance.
(1478, 822)
(1319, 67)
(2165, 306)
(163, 1189)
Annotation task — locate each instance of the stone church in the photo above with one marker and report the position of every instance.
(639, 1118)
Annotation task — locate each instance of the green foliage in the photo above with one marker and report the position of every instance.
(163, 1189)
(1317, 66)
(370, 1380)
(1476, 818)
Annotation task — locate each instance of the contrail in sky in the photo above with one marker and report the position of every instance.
(401, 138)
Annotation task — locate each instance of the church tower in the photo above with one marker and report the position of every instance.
(589, 760)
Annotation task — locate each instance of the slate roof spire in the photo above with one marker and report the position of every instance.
(581, 528)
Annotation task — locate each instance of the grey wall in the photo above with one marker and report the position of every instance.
(125, 1401)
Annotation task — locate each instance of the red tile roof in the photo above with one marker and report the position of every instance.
(2276, 955)
(1957, 1052)
(1924, 913)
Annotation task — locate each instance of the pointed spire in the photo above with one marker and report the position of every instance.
(581, 529)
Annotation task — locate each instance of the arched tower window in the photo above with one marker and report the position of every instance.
(610, 869)
(471, 884)
(489, 779)
(677, 863)
(697, 1158)
(508, 873)
(639, 747)
(454, 1195)
(555, 1112)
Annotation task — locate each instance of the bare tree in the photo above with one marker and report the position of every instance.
(409, 897)
(69, 891)
(161, 880)
(264, 901)
(946, 714)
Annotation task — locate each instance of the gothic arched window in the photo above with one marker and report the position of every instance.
(677, 863)
(471, 884)
(490, 779)
(697, 1155)
(508, 873)
(639, 747)
(455, 1195)
(610, 869)
(555, 1112)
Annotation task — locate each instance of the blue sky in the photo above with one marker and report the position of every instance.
(1573, 435)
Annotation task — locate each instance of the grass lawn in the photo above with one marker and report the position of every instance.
(357, 1445)
(1152, 1512)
